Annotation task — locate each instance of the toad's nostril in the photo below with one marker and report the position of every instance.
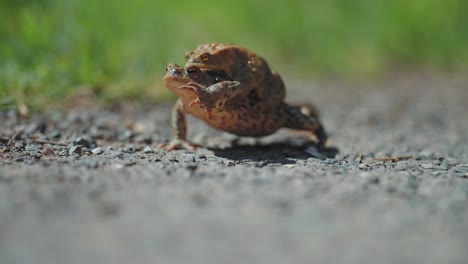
(172, 66)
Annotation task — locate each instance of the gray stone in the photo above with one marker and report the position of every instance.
(97, 151)
(129, 149)
(74, 150)
(19, 145)
(429, 166)
(148, 149)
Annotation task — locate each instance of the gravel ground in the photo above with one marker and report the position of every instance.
(91, 185)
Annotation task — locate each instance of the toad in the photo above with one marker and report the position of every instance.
(233, 89)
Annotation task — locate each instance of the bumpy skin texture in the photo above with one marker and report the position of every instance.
(243, 65)
(234, 90)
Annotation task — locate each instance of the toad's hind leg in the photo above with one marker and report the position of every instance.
(305, 118)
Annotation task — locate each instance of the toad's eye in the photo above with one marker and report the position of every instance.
(205, 57)
(217, 79)
(192, 70)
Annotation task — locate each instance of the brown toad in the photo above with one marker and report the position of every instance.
(234, 90)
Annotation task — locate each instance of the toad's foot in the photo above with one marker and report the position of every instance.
(313, 151)
(179, 144)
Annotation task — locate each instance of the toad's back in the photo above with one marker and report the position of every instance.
(240, 64)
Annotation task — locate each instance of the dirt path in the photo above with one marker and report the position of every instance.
(91, 186)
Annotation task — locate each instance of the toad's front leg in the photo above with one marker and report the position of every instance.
(179, 130)
(214, 96)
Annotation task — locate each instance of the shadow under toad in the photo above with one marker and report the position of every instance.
(282, 152)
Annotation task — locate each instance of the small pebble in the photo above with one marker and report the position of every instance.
(19, 145)
(85, 142)
(4, 141)
(3, 150)
(119, 166)
(126, 135)
(461, 168)
(261, 164)
(363, 167)
(119, 155)
(429, 166)
(81, 142)
(330, 161)
(130, 163)
(192, 166)
(437, 173)
(47, 151)
(32, 147)
(148, 149)
(400, 167)
(229, 163)
(353, 163)
(425, 155)
(74, 150)
(97, 151)
(129, 149)
(54, 135)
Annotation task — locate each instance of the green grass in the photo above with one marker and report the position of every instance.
(51, 48)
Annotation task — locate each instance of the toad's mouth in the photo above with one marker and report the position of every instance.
(174, 82)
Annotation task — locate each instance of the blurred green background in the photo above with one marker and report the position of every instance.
(119, 49)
